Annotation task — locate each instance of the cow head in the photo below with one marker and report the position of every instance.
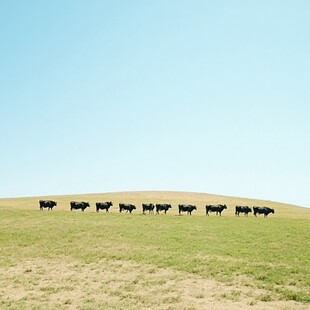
(110, 203)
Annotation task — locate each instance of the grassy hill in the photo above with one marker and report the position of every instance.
(76, 260)
(137, 198)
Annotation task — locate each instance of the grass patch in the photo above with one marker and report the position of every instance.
(271, 255)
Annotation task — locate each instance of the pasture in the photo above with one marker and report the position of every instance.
(88, 260)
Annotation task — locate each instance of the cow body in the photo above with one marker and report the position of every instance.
(162, 207)
(76, 205)
(126, 206)
(215, 208)
(262, 210)
(187, 208)
(242, 209)
(103, 206)
(148, 207)
(50, 204)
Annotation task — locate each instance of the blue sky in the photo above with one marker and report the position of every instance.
(202, 96)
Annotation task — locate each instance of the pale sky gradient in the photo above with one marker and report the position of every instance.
(202, 96)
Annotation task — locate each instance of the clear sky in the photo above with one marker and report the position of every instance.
(202, 96)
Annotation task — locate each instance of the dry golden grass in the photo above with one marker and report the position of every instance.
(174, 198)
(106, 284)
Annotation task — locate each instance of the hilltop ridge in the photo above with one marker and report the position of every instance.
(172, 197)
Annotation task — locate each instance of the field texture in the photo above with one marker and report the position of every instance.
(88, 260)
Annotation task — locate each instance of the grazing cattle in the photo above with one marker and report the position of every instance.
(50, 204)
(215, 208)
(262, 210)
(128, 207)
(162, 207)
(103, 206)
(187, 208)
(79, 205)
(243, 209)
(148, 207)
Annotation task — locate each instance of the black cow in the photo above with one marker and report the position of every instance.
(262, 210)
(243, 209)
(103, 206)
(50, 204)
(148, 207)
(79, 205)
(187, 208)
(162, 207)
(128, 207)
(215, 208)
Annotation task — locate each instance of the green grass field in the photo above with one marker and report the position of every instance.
(75, 260)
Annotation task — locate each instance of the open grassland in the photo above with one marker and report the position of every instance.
(174, 198)
(74, 260)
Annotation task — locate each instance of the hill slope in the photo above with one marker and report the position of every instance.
(70, 260)
(174, 198)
